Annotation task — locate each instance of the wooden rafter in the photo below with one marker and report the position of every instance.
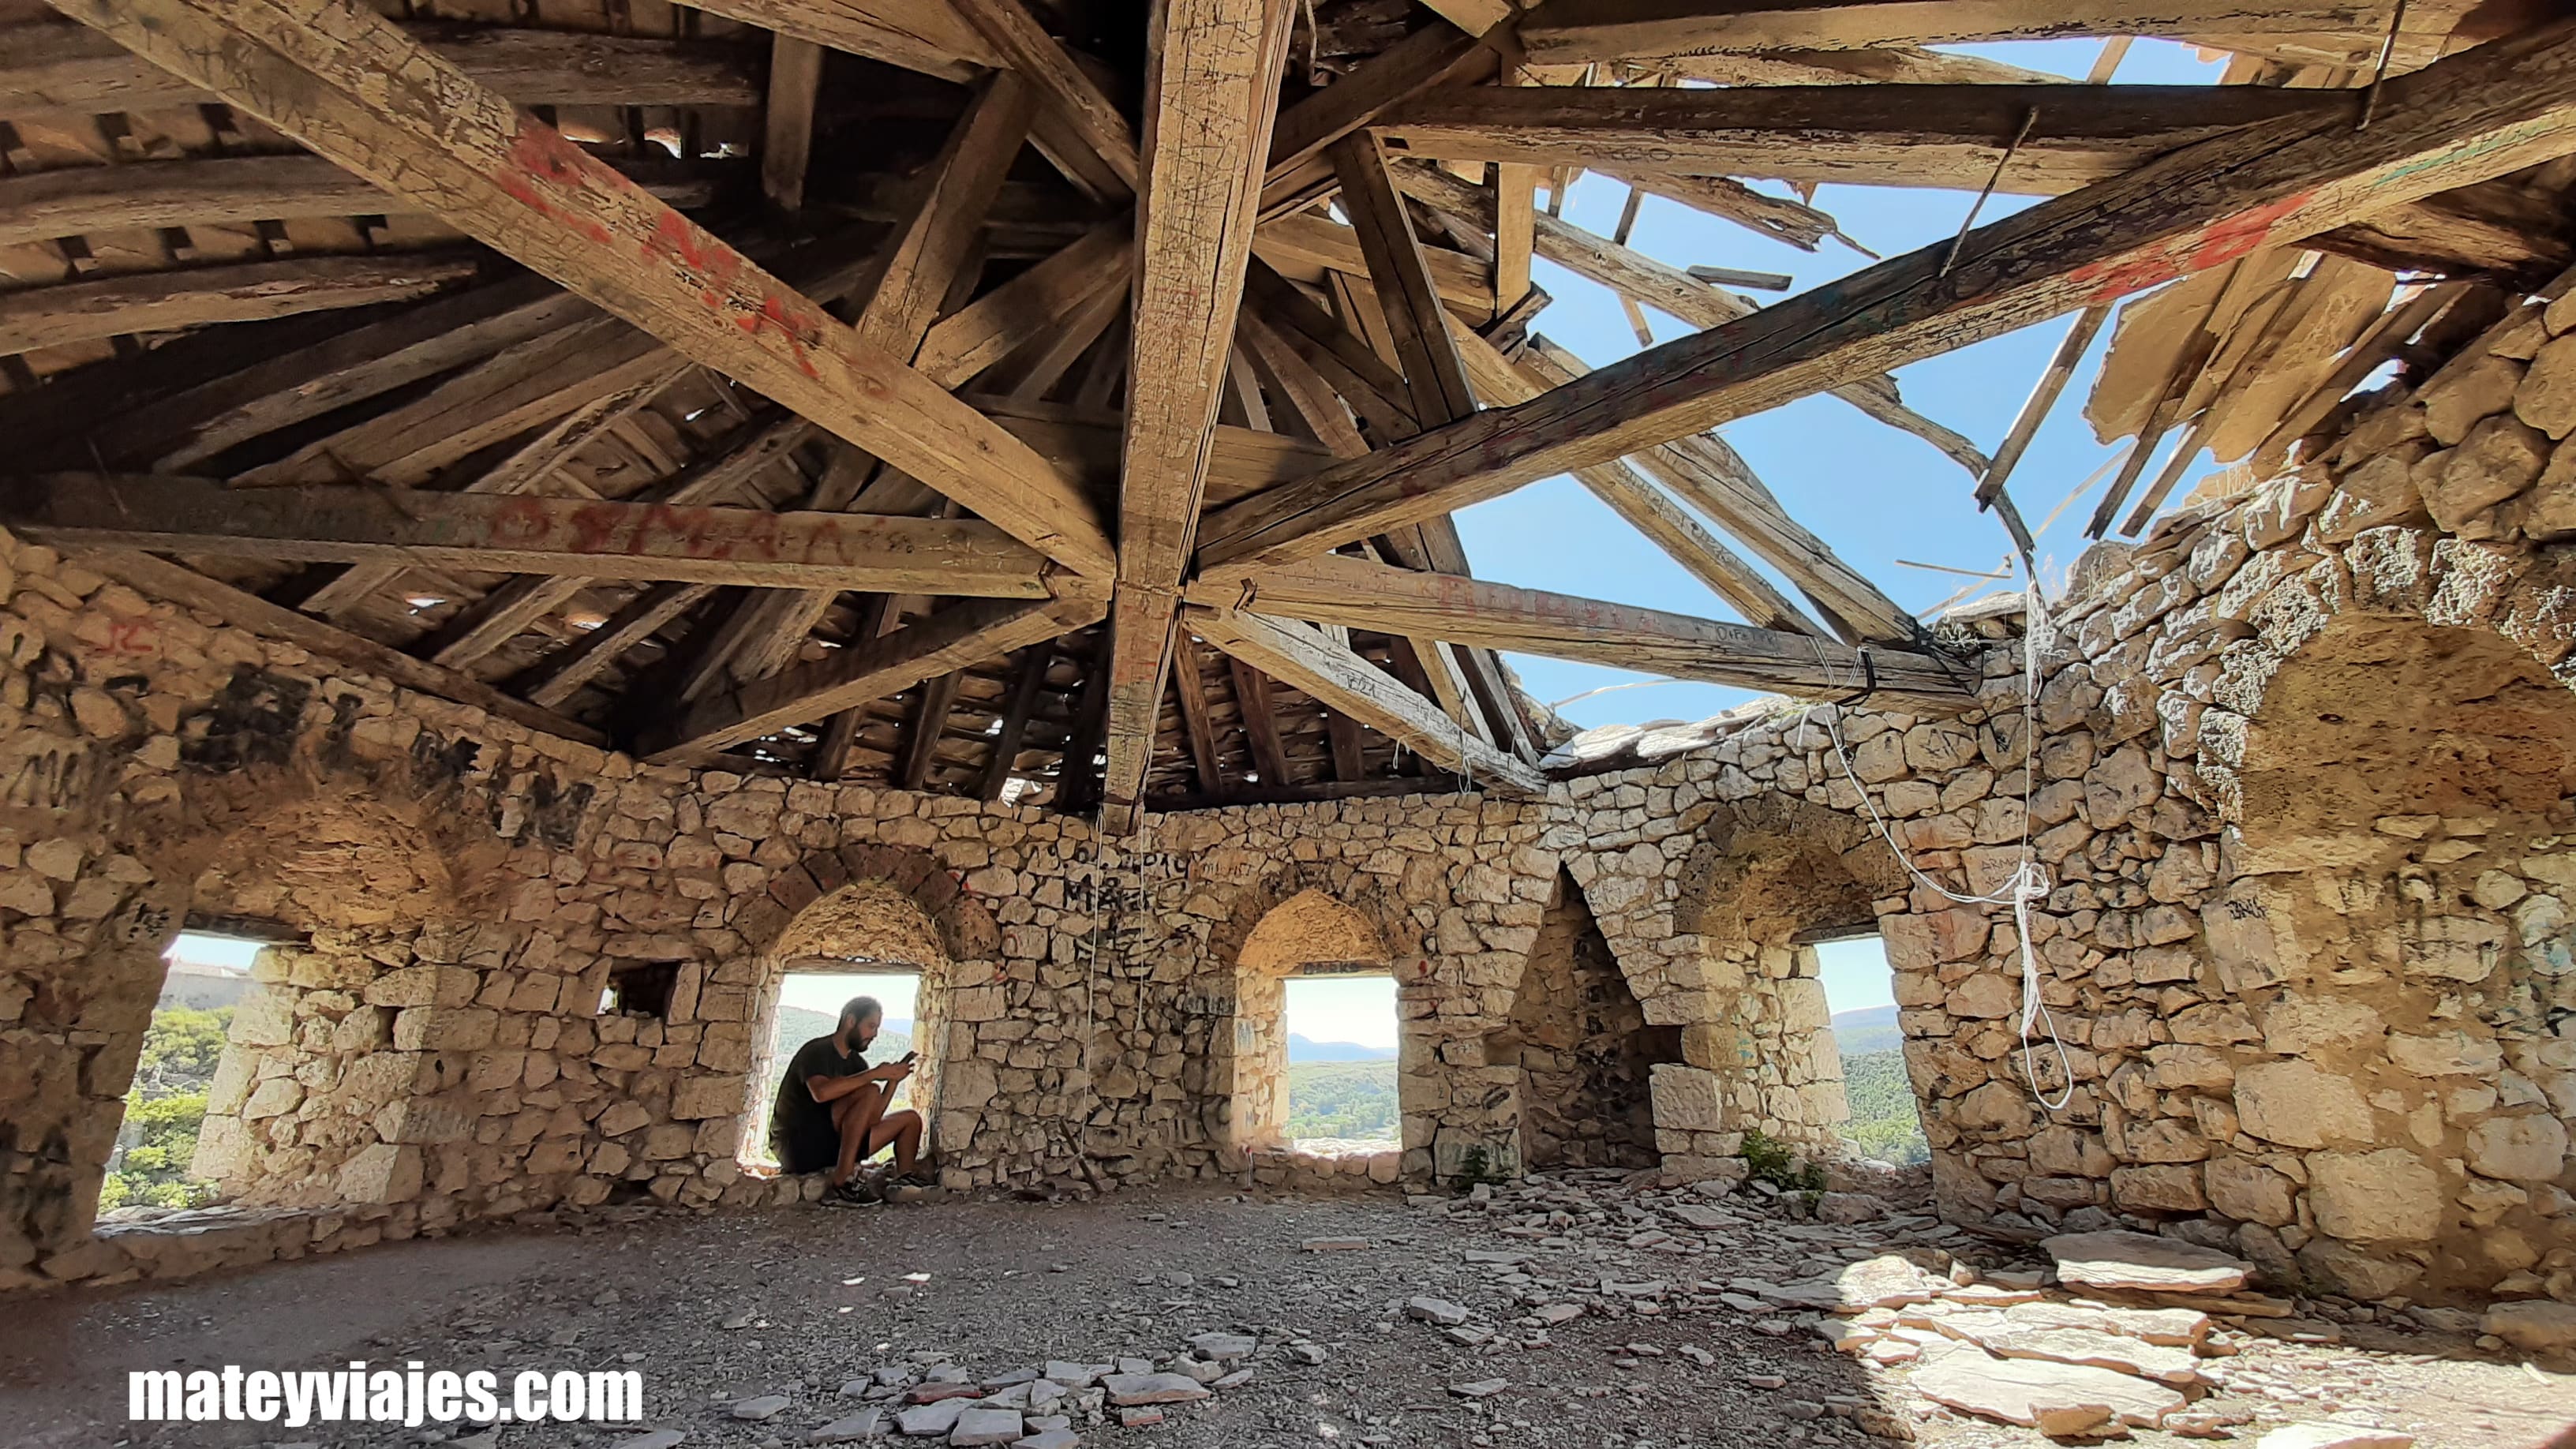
(1301, 656)
(1212, 76)
(1949, 136)
(115, 306)
(2487, 111)
(1571, 32)
(53, 70)
(873, 669)
(1363, 595)
(588, 538)
(317, 69)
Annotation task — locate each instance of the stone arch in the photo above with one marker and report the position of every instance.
(889, 905)
(2396, 929)
(2522, 600)
(1279, 925)
(1758, 1050)
(963, 926)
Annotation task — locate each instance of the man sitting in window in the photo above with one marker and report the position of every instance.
(831, 1110)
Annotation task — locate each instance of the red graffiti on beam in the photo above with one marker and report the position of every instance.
(802, 330)
(547, 167)
(522, 522)
(710, 264)
(2216, 245)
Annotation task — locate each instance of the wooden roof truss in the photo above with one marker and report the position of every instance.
(1026, 399)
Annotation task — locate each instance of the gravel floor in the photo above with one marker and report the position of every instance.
(796, 1302)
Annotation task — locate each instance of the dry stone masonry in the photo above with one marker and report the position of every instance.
(2298, 769)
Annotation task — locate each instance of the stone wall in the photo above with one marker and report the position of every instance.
(2300, 783)
(1583, 1048)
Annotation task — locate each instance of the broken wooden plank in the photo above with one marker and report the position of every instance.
(1362, 595)
(133, 302)
(954, 638)
(2497, 108)
(1300, 656)
(524, 534)
(318, 70)
(1671, 290)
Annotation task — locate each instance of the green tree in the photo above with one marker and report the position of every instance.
(181, 1050)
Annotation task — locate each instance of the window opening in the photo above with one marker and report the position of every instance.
(1342, 1033)
(153, 1163)
(1886, 1120)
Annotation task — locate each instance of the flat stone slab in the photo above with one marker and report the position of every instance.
(931, 1421)
(1224, 1347)
(1047, 1439)
(657, 1439)
(979, 1427)
(2092, 1346)
(2143, 1262)
(865, 1424)
(1135, 1390)
(2171, 1327)
(2334, 1436)
(1437, 1310)
(764, 1406)
(2055, 1398)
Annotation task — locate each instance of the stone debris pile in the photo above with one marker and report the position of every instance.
(928, 1397)
(2114, 1332)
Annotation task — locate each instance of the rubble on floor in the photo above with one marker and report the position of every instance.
(928, 1396)
(2116, 1331)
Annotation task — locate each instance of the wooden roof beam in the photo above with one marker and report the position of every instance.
(362, 523)
(351, 85)
(952, 639)
(1300, 656)
(132, 302)
(919, 35)
(2484, 112)
(924, 261)
(1212, 86)
(1072, 95)
(1946, 136)
(236, 190)
(1670, 290)
(1574, 32)
(50, 70)
(1356, 593)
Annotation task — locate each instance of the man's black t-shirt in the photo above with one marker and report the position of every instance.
(800, 1128)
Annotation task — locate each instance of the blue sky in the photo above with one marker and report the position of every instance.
(1874, 494)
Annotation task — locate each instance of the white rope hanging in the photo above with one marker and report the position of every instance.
(2028, 882)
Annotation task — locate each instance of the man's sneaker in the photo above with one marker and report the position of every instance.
(857, 1192)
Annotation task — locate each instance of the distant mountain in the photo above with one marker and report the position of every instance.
(797, 1026)
(1300, 1049)
(1870, 1029)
